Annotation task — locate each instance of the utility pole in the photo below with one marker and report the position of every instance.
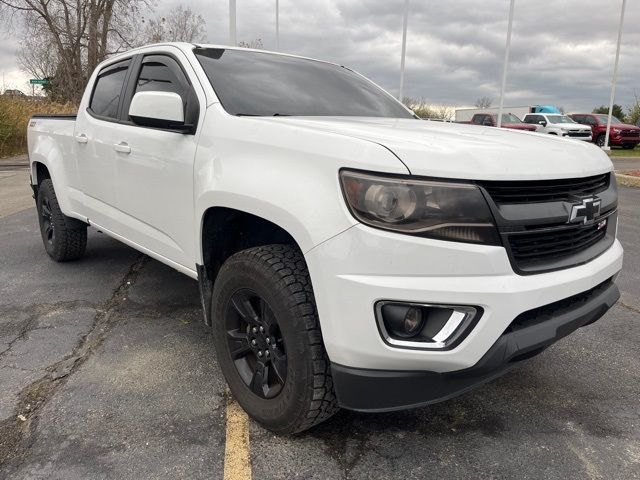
(233, 41)
(404, 48)
(615, 77)
(506, 63)
(277, 25)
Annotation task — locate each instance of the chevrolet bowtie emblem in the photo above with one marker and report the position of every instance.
(585, 212)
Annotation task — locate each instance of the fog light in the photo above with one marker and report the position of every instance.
(402, 321)
(413, 321)
(425, 326)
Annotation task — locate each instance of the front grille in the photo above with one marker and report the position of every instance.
(630, 133)
(545, 190)
(545, 245)
(579, 134)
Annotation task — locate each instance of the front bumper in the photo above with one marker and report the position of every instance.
(361, 266)
(617, 141)
(380, 390)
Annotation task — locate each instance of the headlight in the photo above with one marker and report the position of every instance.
(437, 209)
(616, 130)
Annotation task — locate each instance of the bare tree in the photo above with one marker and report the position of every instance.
(35, 56)
(82, 33)
(422, 109)
(179, 25)
(256, 44)
(484, 102)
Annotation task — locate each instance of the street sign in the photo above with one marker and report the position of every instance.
(39, 81)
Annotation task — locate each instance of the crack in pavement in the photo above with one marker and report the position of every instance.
(17, 432)
(35, 312)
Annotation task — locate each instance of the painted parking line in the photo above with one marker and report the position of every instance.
(237, 462)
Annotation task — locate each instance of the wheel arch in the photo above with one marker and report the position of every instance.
(225, 231)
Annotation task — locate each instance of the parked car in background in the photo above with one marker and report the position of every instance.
(558, 124)
(509, 120)
(9, 92)
(465, 114)
(621, 134)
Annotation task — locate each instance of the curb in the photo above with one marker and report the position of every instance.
(628, 180)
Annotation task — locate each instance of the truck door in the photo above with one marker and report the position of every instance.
(154, 166)
(95, 136)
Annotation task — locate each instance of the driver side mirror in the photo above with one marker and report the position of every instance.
(543, 123)
(159, 110)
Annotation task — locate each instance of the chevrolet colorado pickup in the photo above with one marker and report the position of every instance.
(347, 253)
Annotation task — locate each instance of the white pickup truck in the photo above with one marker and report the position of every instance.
(348, 254)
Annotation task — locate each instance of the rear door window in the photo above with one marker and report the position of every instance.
(108, 90)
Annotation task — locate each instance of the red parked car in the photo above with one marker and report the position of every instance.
(621, 134)
(509, 120)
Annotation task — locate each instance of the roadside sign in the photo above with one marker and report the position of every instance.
(39, 81)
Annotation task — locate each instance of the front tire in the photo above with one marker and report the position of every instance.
(600, 140)
(268, 341)
(64, 238)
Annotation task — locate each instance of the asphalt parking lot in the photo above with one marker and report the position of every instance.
(107, 371)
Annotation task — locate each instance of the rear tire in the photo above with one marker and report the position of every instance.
(268, 341)
(64, 238)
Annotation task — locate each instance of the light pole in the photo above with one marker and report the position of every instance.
(232, 23)
(506, 63)
(615, 77)
(404, 48)
(278, 25)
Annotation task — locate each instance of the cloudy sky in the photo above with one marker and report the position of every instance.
(562, 50)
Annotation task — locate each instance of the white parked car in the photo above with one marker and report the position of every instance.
(557, 124)
(348, 254)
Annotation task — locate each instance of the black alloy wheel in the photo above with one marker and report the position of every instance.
(47, 222)
(64, 238)
(256, 344)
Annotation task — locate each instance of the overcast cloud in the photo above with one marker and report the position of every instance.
(562, 50)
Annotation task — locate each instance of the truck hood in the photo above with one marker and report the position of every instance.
(520, 126)
(452, 150)
(623, 126)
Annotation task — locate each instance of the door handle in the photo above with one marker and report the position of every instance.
(122, 147)
(82, 138)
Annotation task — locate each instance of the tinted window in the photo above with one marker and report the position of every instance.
(161, 74)
(106, 94)
(510, 118)
(255, 83)
(604, 118)
(478, 119)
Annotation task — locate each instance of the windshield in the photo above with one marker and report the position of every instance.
(509, 118)
(559, 119)
(603, 119)
(257, 84)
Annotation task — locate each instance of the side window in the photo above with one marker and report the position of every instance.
(588, 120)
(161, 74)
(107, 90)
(477, 119)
